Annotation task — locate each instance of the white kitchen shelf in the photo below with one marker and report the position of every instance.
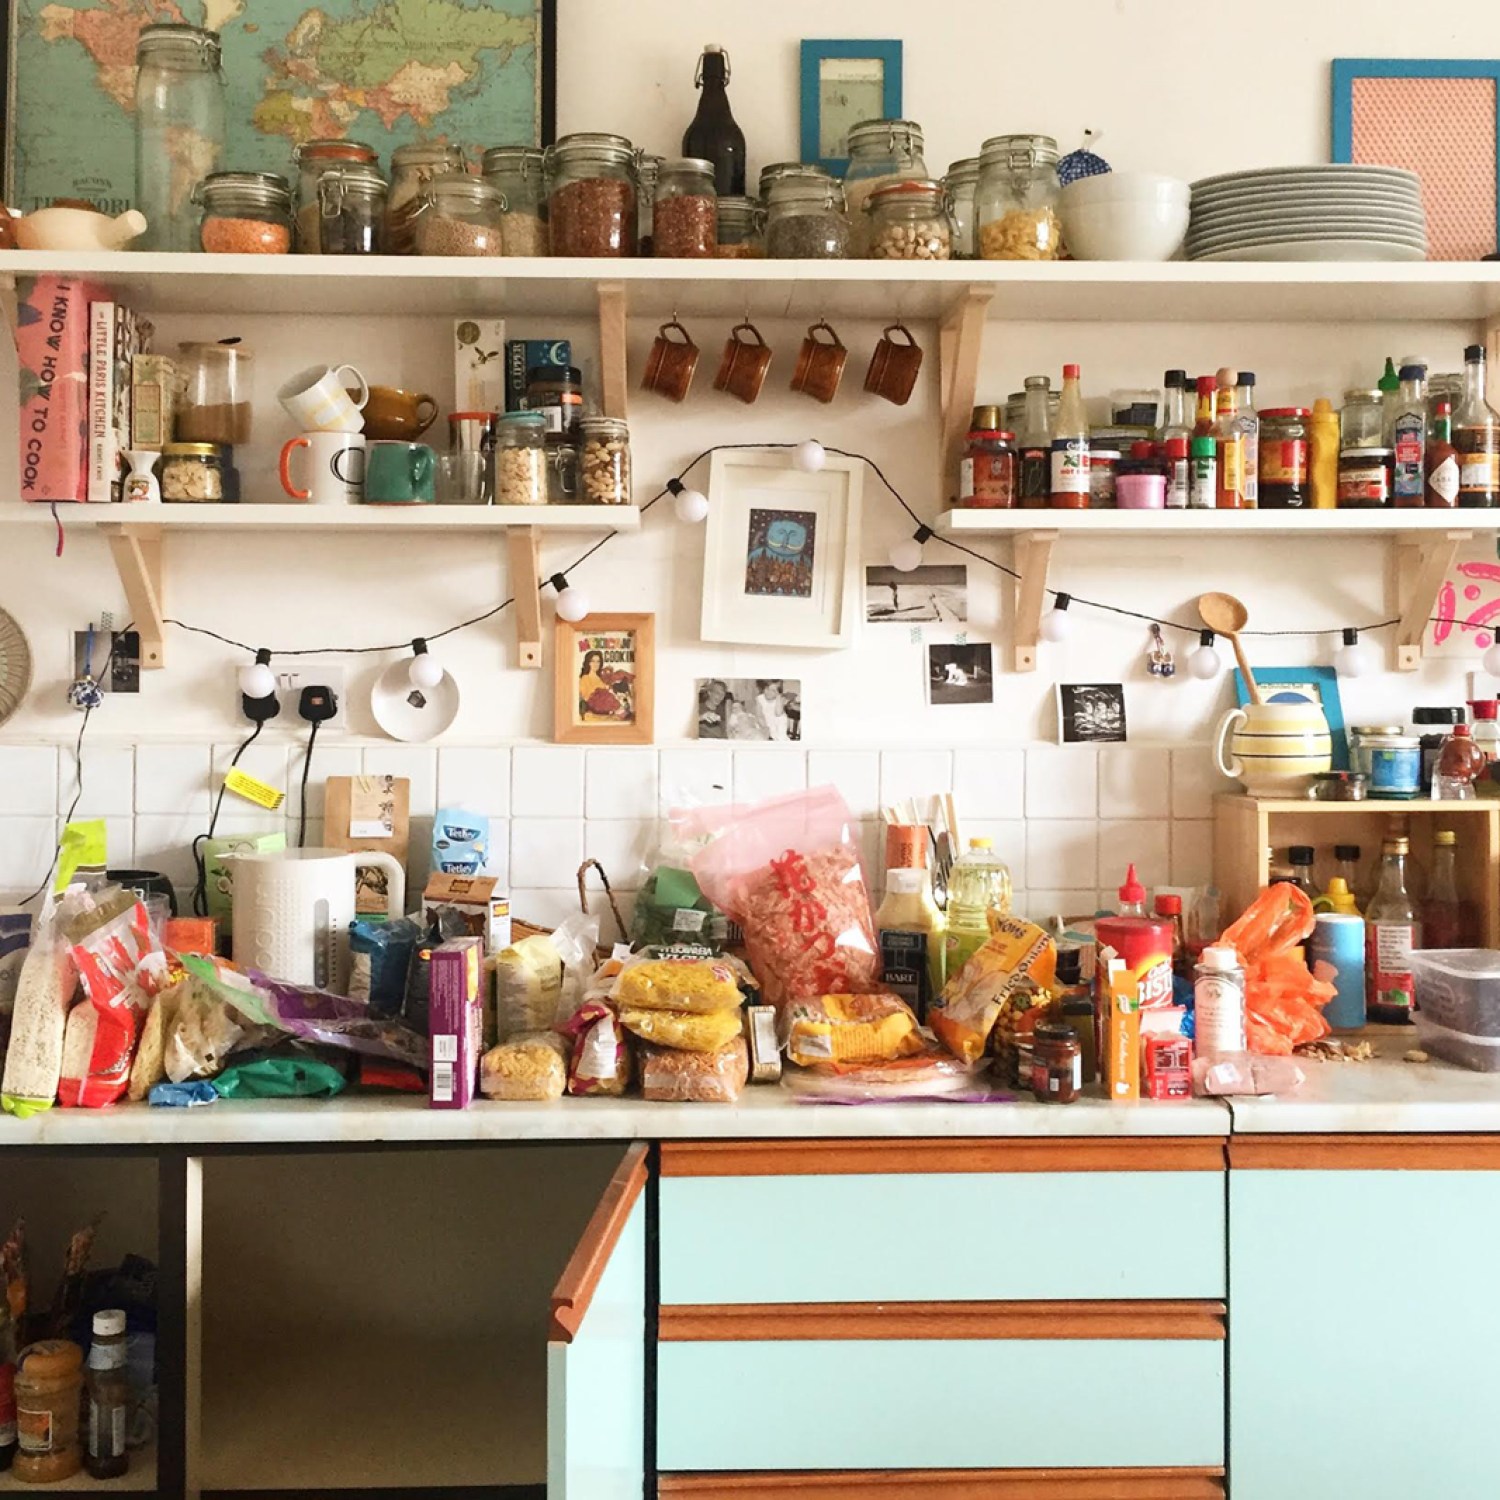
(1157, 524)
(416, 518)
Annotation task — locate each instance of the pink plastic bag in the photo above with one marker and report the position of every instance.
(788, 872)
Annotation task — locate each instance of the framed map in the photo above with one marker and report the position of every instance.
(386, 72)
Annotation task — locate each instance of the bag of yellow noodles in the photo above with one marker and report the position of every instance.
(1018, 958)
(680, 979)
(683, 1031)
(850, 1028)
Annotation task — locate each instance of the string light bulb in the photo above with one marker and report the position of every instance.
(1056, 625)
(906, 555)
(1491, 661)
(691, 505)
(809, 456)
(572, 603)
(425, 671)
(1355, 658)
(1204, 662)
(258, 681)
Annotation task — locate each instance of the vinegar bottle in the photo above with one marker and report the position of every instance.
(1392, 930)
(1476, 435)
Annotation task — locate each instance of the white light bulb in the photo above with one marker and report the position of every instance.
(1205, 663)
(691, 507)
(572, 605)
(1056, 626)
(257, 681)
(1492, 660)
(425, 671)
(906, 555)
(809, 456)
(1357, 659)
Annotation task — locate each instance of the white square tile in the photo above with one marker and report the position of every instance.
(417, 763)
(171, 780)
(1134, 782)
(989, 783)
(546, 852)
(119, 842)
(1062, 782)
(856, 773)
(1062, 855)
(477, 781)
(108, 781)
(918, 775)
(28, 780)
(759, 774)
(1143, 842)
(27, 845)
(164, 843)
(1042, 906)
(547, 782)
(623, 846)
(620, 784)
(1193, 852)
(551, 908)
(1008, 837)
(328, 760)
(1196, 780)
(497, 856)
(695, 778)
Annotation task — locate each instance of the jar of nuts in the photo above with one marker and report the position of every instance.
(460, 215)
(880, 151)
(606, 461)
(962, 183)
(518, 172)
(685, 219)
(742, 229)
(805, 220)
(520, 458)
(592, 198)
(245, 213)
(192, 472)
(910, 221)
(412, 168)
(1016, 204)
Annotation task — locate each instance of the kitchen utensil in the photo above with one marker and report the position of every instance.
(293, 907)
(408, 713)
(316, 400)
(672, 362)
(399, 474)
(742, 371)
(894, 365)
(78, 229)
(1226, 616)
(395, 415)
(820, 363)
(336, 468)
(1274, 748)
(15, 666)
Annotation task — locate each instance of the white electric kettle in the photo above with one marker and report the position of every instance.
(293, 907)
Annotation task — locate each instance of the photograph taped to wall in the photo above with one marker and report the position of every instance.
(932, 593)
(1090, 713)
(749, 708)
(960, 674)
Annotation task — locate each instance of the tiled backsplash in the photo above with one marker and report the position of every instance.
(1066, 819)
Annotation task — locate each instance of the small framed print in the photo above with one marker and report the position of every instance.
(842, 84)
(606, 680)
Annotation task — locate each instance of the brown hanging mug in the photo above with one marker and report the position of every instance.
(742, 371)
(820, 364)
(671, 363)
(894, 366)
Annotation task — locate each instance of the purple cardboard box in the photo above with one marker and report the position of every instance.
(455, 1021)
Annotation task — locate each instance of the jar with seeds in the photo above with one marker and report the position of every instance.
(606, 461)
(460, 215)
(518, 172)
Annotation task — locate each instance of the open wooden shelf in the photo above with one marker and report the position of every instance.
(1157, 524)
(417, 518)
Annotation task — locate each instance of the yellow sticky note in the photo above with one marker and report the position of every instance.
(252, 790)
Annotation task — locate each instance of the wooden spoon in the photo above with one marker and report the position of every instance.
(1226, 616)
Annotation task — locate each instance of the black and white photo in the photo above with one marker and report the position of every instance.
(931, 594)
(960, 674)
(1090, 713)
(749, 708)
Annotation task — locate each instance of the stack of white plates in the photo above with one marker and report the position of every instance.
(1309, 213)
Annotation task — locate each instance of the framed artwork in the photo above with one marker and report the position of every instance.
(294, 70)
(842, 84)
(1318, 685)
(606, 680)
(781, 558)
(1091, 713)
(1439, 119)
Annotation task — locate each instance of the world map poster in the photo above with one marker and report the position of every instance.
(385, 72)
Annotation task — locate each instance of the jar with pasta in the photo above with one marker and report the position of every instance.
(313, 160)
(520, 458)
(910, 221)
(685, 223)
(742, 229)
(962, 183)
(193, 472)
(805, 220)
(245, 213)
(412, 168)
(880, 151)
(592, 197)
(518, 171)
(1016, 203)
(606, 461)
(460, 215)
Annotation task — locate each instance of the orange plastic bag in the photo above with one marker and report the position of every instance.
(1283, 1002)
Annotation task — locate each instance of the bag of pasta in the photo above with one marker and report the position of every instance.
(850, 1028)
(718, 1077)
(533, 1066)
(600, 1059)
(687, 978)
(683, 1031)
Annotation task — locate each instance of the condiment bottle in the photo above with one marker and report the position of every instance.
(1204, 478)
(1229, 442)
(1175, 423)
(1218, 1003)
(1441, 461)
(1486, 715)
(1179, 473)
(1250, 431)
(1410, 440)
(109, 1398)
(978, 884)
(1056, 1063)
(1075, 1005)
(49, 1384)
(1476, 435)
(713, 134)
(1459, 764)
(1443, 913)
(1070, 447)
(1323, 443)
(911, 932)
(1036, 443)
(1392, 930)
(1300, 858)
(1203, 422)
(1338, 899)
(1389, 386)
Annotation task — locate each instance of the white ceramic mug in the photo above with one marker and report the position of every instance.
(336, 472)
(316, 400)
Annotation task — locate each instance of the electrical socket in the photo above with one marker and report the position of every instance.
(289, 684)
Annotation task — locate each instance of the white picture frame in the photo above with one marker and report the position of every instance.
(781, 559)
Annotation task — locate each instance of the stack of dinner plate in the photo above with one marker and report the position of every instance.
(1308, 213)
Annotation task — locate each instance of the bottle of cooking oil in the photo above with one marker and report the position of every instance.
(978, 885)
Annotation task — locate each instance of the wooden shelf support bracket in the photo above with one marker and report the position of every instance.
(137, 552)
(525, 546)
(1033, 554)
(1423, 565)
(614, 375)
(960, 343)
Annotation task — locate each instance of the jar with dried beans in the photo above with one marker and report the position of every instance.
(685, 220)
(592, 198)
(460, 215)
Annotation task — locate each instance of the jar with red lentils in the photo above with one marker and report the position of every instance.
(592, 198)
(245, 213)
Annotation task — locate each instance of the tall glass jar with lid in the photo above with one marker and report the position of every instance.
(245, 213)
(742, 229)
(880, 151)
(412, 168)
(591, 198)
(519, 173)
(348, 215)
(962, 182)
(1016, 204)
(686, 220)
(805, 220)
(910, 220)
(313, 159)
(179, 129)
(460, 215)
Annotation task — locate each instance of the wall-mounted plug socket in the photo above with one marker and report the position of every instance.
(290, 682)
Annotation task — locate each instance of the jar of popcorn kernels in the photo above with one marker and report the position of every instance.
(1016, 202)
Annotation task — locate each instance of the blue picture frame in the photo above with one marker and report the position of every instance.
(814, 54)
(1318, 684)
(1347, 69)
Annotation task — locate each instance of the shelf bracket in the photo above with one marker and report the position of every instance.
(615, 379)
(137, 553)
(1420, 572)
(960, 343)
(1033, 554)
(525, 544)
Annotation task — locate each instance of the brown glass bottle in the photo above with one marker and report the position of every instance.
(713, 135)
(1476, 436)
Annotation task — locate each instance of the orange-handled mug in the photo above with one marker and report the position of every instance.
(336, 473)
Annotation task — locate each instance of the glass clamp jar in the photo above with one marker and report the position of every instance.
(962, 182)
(685, 220)
(245, 213)
(520, 174)
(1285, 458)
(805, 220)
(606, 461)
(1016, 201)
(349, 215)
(560, 457)
(459, 214)
(591, 201)
(520, 458)
(313, 159)
(910, 220)
(989, 472)
(741, 229)
(193, 473)
(776, 170)
(179, 129)
(412, 168)
(880, 151)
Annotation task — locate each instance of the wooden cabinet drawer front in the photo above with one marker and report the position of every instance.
(983, 1404)
(948, 1237)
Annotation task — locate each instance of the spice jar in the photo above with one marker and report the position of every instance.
(520, 460)
(412, 168)
(245, 213)
(910, 221)
(606, 461)
(1285, 473)
(880, 151)
(1365, 478)
(686, 214)
(592, 198)
(1391, 760)
(192, 472)
(1056, 1063)
(962, 182)
(213, 393)
(1104, 464)
(988, 472)
(556, 393)
(1362, 420)
(460, 215)
(805, 220)
(49, 1391)
(1016, 202)
(520, 174)
(741, 229)
(179, 129)
(314, 159)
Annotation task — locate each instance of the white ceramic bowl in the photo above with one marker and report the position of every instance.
(1133, 187)
(1148, 225)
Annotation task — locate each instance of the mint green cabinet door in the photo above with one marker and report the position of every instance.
(1364, 1334)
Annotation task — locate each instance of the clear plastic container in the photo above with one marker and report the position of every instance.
(1458, 989)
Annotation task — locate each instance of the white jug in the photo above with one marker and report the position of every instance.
(293, 907)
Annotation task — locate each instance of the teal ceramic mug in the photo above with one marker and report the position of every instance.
(399, 474)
